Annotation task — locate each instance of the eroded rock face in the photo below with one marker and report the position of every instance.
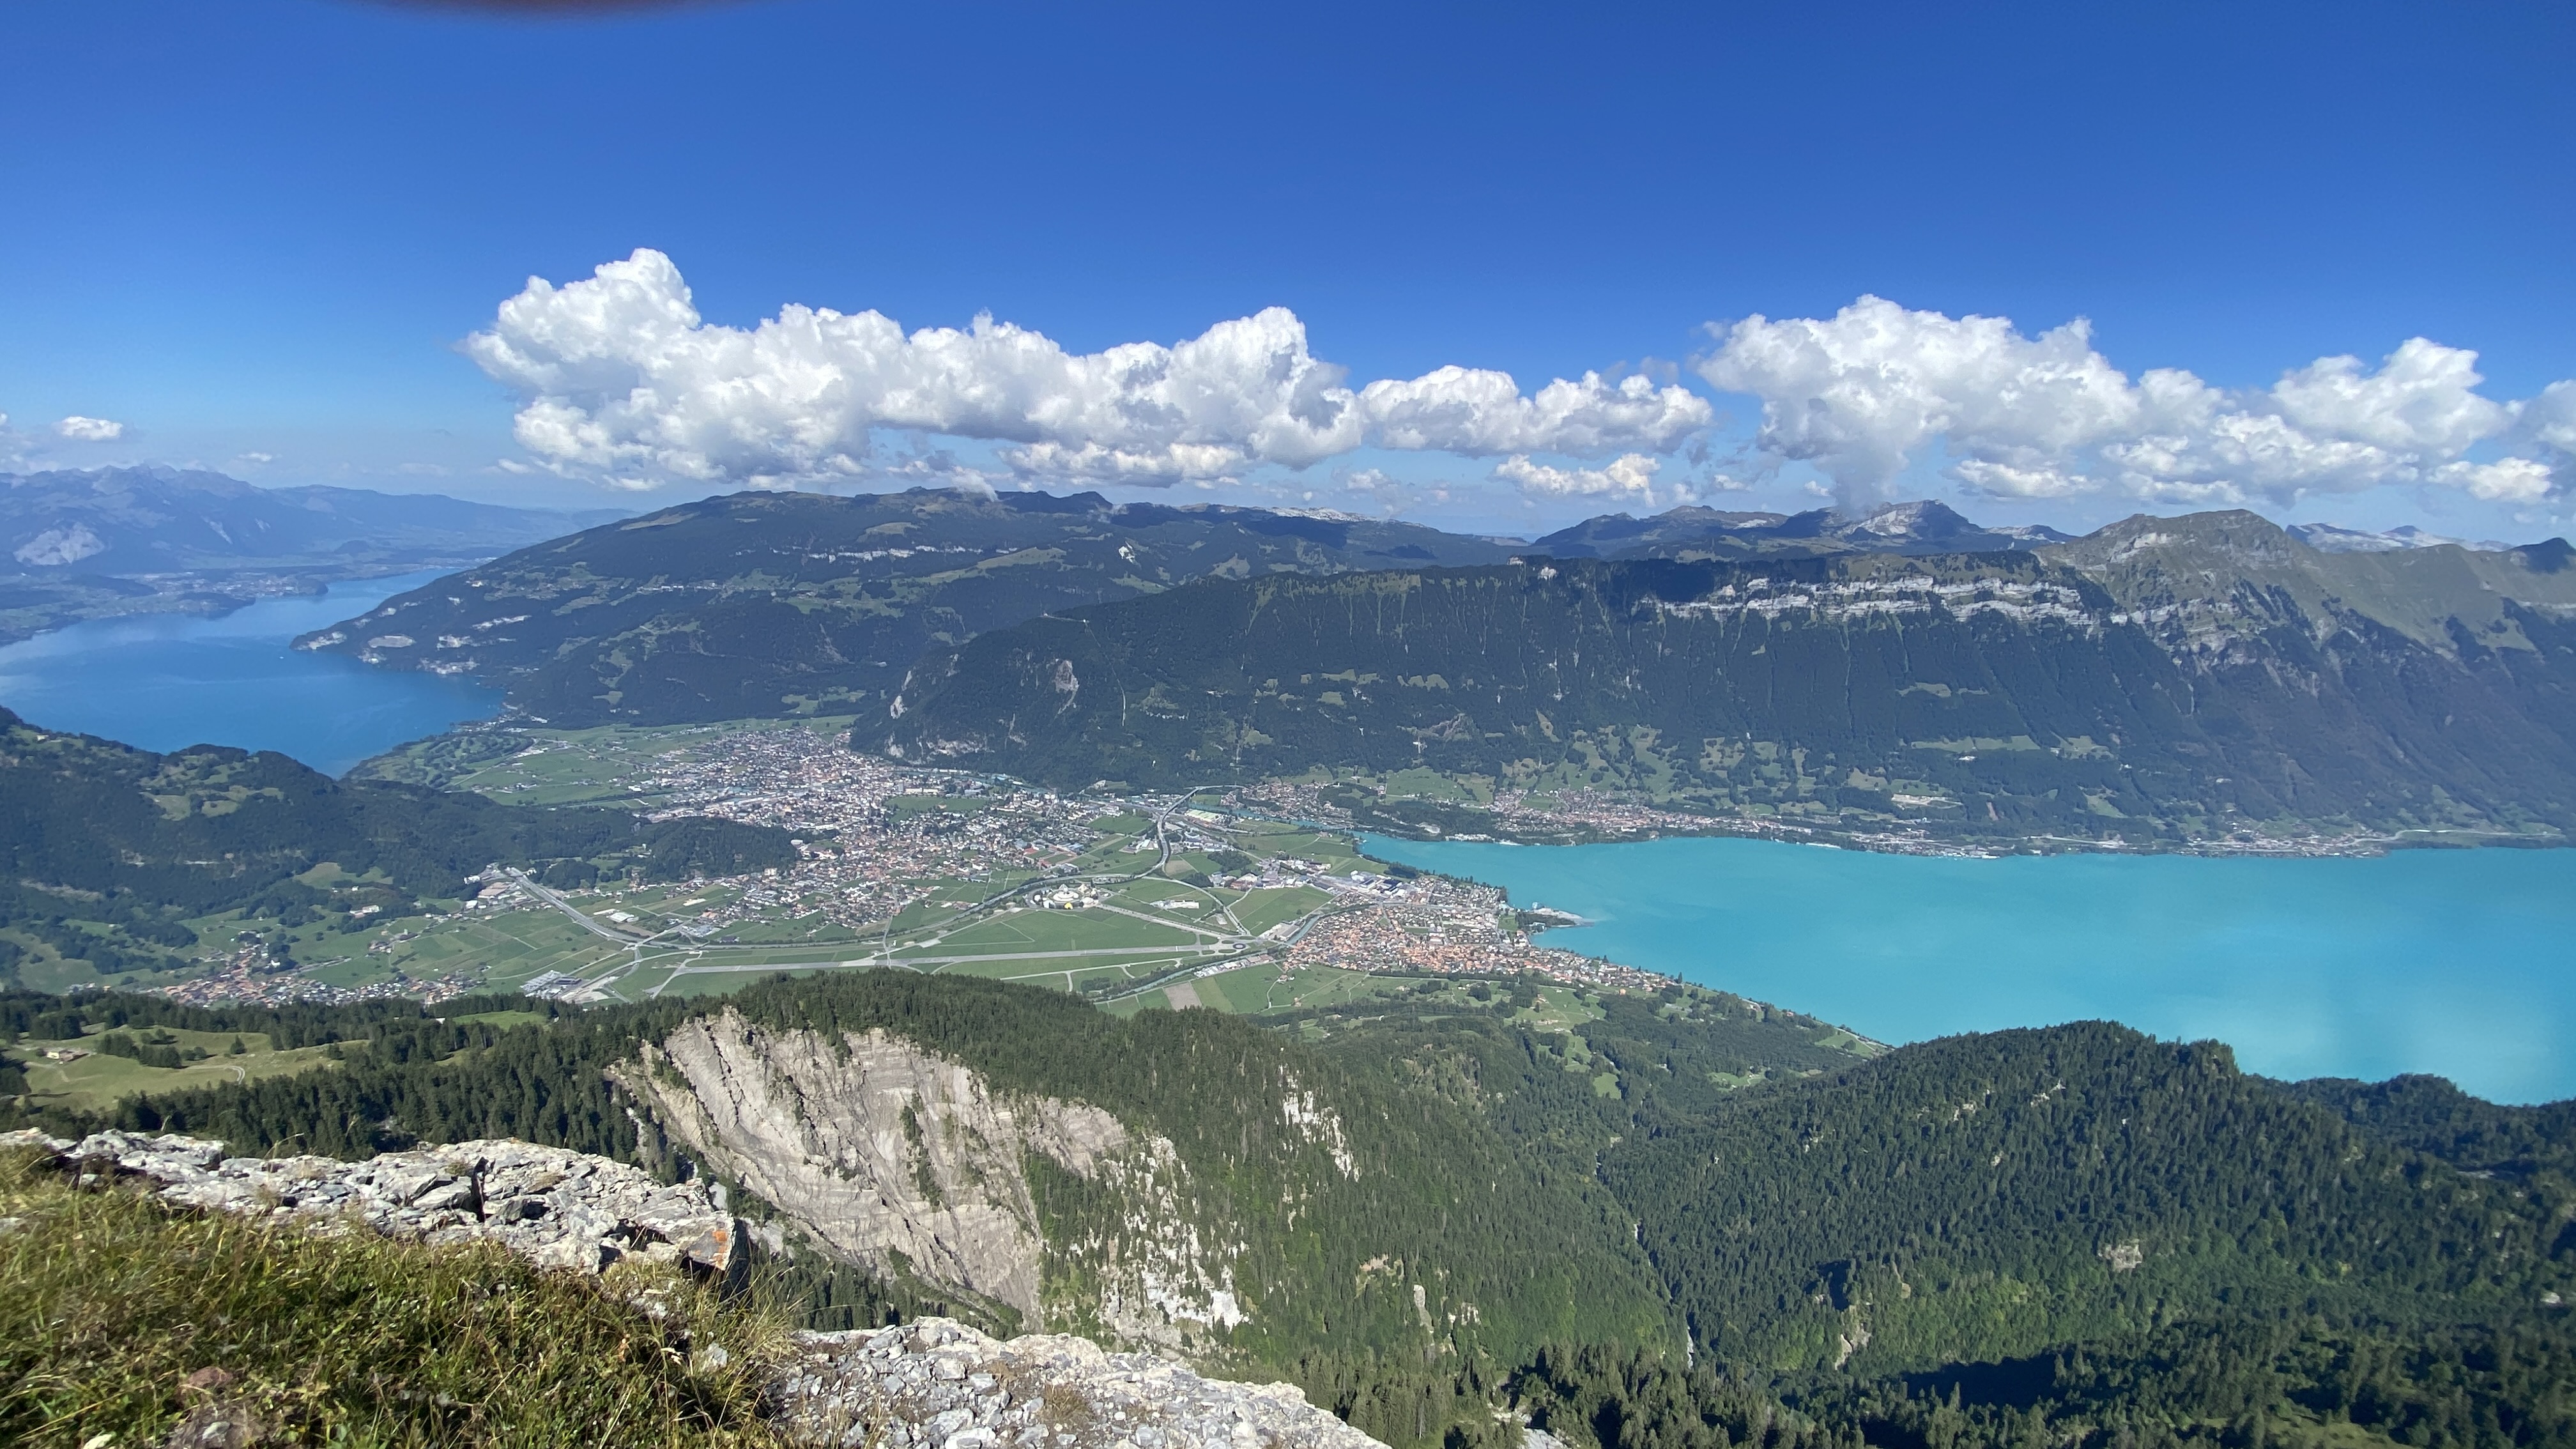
(936, 1384)
(555, 1207)
(876, 1146)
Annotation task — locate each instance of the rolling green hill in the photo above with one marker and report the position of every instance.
(108, 852)
(2163, 679)
(764, 604)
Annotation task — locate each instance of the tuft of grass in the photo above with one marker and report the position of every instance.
(122, 1320)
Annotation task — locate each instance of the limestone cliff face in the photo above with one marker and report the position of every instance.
(879, 1148)
(876, 1146)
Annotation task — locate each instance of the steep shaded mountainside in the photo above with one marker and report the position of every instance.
(2161, 678)
(108, 852)
(1688, 1222)
(762, 604)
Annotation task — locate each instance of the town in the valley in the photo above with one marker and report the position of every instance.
(1251, 900)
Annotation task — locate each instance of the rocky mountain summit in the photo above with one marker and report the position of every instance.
(930, 1384)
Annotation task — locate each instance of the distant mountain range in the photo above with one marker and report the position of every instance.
(1702, 533)
(779, 603)
(119, 540)
(2162, 679)
(2328, 538)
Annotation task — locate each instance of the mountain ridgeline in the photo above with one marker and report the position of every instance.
(77, 545)
(1418, 1209)
(2161, 679)
(767, 604)
(1690, 533)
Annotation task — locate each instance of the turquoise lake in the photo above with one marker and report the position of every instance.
(166, 682)
(2461, 963)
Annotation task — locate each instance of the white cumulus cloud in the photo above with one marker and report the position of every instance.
(1862, 393)
(620, 378)
(89, 430)
(1629, 477)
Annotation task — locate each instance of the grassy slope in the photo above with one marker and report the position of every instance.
(161, 1318)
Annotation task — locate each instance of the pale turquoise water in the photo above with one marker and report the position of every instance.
(2461, 963)
(164, 683)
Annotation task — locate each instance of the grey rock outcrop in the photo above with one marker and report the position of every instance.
(878, 1147)
(937, 1384)
(555, 1207)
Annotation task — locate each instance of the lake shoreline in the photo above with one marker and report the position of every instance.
(167, 681)
(2450, 962)
(1988, 847)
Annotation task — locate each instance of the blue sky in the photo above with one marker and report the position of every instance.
(266, 228)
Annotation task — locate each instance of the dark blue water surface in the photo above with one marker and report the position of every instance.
(165, 682)
(2461, 963)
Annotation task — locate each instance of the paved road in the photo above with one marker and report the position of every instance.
(569, 909)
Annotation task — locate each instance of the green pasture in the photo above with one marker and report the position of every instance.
(98, 1080)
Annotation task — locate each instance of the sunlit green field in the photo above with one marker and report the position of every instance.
(96, 1080)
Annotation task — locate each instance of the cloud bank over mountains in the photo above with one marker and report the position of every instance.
(1863, 393)
(620, 379)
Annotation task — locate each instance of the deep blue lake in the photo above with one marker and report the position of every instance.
(166, 682)
(2461, 963)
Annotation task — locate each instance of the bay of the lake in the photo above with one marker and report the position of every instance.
(164, 682)
(2455, 962)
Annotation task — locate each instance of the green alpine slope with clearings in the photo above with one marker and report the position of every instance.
(1986, 1196)
(108, 852)
(765, 604)
(1431, 1194)
(1996, 694)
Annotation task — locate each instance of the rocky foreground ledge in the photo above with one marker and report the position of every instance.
(937, 1384)
(930, 1384)
(555, 1207)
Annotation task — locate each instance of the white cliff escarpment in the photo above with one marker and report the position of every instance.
(895, 1157)
(877, 1147)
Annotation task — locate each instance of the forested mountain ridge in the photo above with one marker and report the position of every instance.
(106, 851)
(764, 604)
(1987, 1227)
(1290, 1211)
(2162, 680)
(1982, 1197)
